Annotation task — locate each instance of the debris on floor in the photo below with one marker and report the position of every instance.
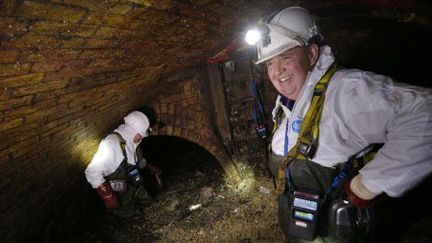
(201, 207)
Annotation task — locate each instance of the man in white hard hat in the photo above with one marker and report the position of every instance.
(354, 109)
(114, 171)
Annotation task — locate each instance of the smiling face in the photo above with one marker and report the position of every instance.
(288, 71)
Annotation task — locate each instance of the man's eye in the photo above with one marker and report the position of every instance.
(268, 64)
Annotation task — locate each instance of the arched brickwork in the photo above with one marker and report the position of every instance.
(181, 112)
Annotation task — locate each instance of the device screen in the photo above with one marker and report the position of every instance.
(303, 215)
(306, 204)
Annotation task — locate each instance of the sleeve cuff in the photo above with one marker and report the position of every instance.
(360, 189)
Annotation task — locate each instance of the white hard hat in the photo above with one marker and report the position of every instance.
(287, 28)
(138, 122)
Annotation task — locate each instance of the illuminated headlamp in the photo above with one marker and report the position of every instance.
(261, 32)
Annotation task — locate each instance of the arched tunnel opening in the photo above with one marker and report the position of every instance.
(181, 161)
(71, 70)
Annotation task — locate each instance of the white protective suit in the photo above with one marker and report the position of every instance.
(110, 155)
(362, 108)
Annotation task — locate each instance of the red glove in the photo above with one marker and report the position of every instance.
(107, 195)
(354, 199)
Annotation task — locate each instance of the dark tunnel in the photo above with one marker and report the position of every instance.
(399, 53)
(181, 161)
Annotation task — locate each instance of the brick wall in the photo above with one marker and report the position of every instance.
(69, 71)
(184, 111)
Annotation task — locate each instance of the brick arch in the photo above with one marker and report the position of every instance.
(200, 136)
(181, 113)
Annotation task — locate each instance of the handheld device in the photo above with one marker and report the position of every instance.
(304, 212)
(261, 131)
(135, 176)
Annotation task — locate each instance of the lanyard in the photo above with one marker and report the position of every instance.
(260, 117)
(286, 139)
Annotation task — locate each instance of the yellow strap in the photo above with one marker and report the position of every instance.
(122, 143)
(310, 128)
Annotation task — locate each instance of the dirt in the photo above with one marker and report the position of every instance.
(201, 207)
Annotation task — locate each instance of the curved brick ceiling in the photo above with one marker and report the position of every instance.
(174, 33)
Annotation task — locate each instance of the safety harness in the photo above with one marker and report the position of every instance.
(313, 196)
(123, 165)
(125, 171)
(127, 183)
(307, 141)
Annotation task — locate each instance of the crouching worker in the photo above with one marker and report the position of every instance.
(114, 171)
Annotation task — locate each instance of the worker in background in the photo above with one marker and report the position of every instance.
(114, 171)
(328, 118)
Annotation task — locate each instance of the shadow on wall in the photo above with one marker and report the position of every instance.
(74, 221)
(385, 47)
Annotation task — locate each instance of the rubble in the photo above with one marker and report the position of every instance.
(201, 209)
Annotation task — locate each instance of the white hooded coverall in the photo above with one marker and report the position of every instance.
(109, 155)
(362, 108)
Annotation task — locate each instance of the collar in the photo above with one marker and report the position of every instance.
(325, 60)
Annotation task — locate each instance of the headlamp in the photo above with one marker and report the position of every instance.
(252, 37)
(259, 33)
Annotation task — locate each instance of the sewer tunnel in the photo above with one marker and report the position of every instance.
(70, 71)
